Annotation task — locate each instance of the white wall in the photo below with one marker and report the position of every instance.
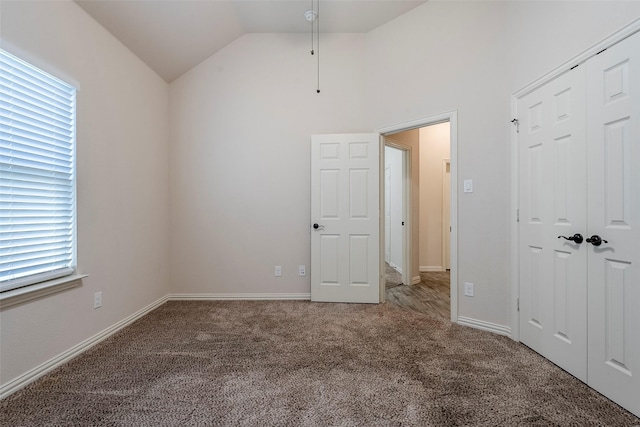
(434, 148)
(471, 56)
(393, 161)
(241, 126)
(122, 157)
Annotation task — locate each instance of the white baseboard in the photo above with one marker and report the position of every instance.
(485, 326)
(35, 373)
(239, 296)
(428, 268)
(415, 280)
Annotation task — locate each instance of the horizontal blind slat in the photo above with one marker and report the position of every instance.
(37, 196)
(17, 66)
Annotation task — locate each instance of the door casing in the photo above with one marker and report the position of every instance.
(452, 118)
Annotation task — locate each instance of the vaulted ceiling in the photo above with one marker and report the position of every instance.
(172, 36)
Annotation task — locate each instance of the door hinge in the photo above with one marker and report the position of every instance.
(518, 303)
(517, 215)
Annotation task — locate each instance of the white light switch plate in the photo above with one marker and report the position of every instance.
(468, 289)
(468, 186)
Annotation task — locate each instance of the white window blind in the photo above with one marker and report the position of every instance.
(37, 175)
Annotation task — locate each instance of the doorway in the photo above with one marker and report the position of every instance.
(430, 285)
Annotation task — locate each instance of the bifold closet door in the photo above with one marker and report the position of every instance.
(613, 183)
(553, 271)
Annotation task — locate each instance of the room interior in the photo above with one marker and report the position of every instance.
(193, 177)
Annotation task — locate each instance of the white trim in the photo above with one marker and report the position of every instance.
(614, 38)
(40, 370)
(39, 290)
(485, 326)
(452, 118)
(418, 123)
(428, 268)
(515, 206)
(238, 296)
(415, 280)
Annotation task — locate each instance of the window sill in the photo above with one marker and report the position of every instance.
(39, 290)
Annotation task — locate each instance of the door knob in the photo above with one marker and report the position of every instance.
(317, 226)
(596, 240)
(575, 238)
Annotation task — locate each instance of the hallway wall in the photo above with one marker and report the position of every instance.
(434, 148)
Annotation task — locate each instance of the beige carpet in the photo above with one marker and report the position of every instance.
(242, 363)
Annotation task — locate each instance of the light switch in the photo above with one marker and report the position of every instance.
(468, 186)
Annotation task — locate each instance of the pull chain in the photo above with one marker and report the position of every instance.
(318, 45)
(312, 9)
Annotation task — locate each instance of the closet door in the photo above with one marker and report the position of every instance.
(613, 123)
(553, 271)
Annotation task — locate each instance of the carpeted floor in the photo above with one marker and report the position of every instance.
(287, 363)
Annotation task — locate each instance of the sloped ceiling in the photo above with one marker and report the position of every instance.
(172, 36)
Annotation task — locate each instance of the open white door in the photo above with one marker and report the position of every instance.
(345, 233)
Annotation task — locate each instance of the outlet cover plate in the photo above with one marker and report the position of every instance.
(97, 300)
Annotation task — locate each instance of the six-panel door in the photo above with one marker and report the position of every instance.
(345, 245)
(553, 282)
(613, 136)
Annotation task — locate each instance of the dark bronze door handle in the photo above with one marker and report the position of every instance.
(575, 238)
(596, 240)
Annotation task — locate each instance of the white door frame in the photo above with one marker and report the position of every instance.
(452, 118)
(406, 209)
(616, 37)
(446, 228)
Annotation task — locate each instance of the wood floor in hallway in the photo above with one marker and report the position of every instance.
(430, 296)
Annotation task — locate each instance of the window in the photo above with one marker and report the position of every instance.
(37, 175)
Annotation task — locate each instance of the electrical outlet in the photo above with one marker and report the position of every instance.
(468, 289)
(277, 271)
(302, 270)
(97, 300)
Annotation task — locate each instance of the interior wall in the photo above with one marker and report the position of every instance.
(393, 160)
(241, 125)
(434, 148)
(122, 182)
(470, 57)
(411, 140)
